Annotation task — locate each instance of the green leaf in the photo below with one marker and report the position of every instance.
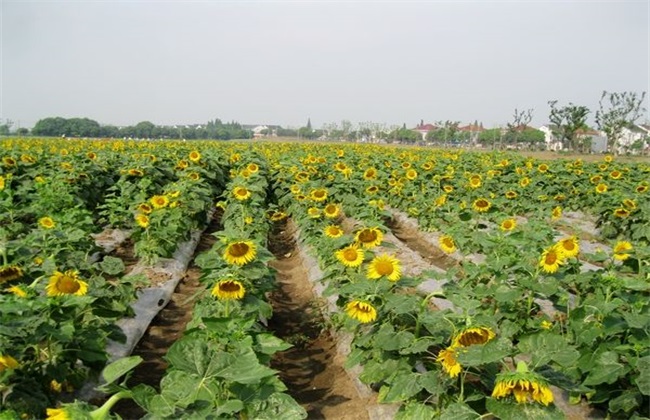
(512, 411)
(433, 382)
(606, 370)
(626, 402)
(403, 387)
(245, 369)
(481, 354)
(270, 344)
(459, 411)
(415, 411)
(643, 380)
(402, 304)
(115, 370)
(112, 266)
(547, 346)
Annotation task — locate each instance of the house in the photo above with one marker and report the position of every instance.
(631, 135)
(473, 131)
(424, 129)
(550, 139)
(598, 140)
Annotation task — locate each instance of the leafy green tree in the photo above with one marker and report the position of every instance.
(566, 122)
(448, 132)
(617, 111)
(22, 132)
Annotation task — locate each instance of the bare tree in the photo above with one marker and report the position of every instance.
(519, 119)
(623, 110)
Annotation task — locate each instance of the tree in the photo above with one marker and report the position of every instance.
(309, 124)
(520, 121)
(5, 128)
(22, 131)
(566, 122)
(448, 132)
(623, 110)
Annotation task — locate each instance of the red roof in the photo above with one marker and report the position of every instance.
(426, 127)
(472, 128)
(587, 132)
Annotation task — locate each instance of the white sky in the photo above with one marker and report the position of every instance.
(280, 62)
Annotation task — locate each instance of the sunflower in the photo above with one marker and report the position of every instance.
(543, 168)
(135, 172)
(511, 194)
(620, 250)
(525, 386)
(17, 290)
(373, 189)
(159, 201)
(318, 194)
(447, 358)
(384, 266)
(556, 213)
(369, 237)
(234, 157)
(9, 273)
(508, 225)
(67, 283)
(2, 182)
(58, 414)
(182, 164)
(341, 167)
(332, 211)
(9, 161)
(641, 189)
(370, 173)
(144, 208)
(440, 200)
(524, 182)
(475, 181)
(241, 193)
(411, 174)
(8, 362)
(229, 289)
(551, 260)
(601, 188)
(448, 188)
(568, 247)
(481, 205)
(195, 156)
(630, 204)
(240, 252)
(615, 174)
(621, 212)
(362, 311)
(46, 222)
(278, 216)
(595, 179)
(333, 231)
(447, 244)
(427, 166)
(350, 256)
(340, 153)
(194, 176)
(253, 167)
(313, 212)
(142, 220)
(473, 335)
(295, 189)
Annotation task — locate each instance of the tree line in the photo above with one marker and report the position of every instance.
(85, 127)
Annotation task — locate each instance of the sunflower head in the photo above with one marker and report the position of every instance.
(523, 385)
(473, 335)
(384, 266)
(142, 220)
(9, 273)
(313, 212)
(67, 283)
(332, 211)
(411, 174)
(277, 216)
(240, 252)
(229, 289)
(524, 182)
(641, 189)
(629, 204)
(475, 181)
(508, 225)
(159, 201)
(8, 362)
(46, 222)
(333, 231)
(135, 172)
(241, 193)
(195, 156)
(447, 358)
(615, 174)
(318, 194)
(350, 256)
(481, 205)
(601, 188)
(447, 244)
(370, 173)
(145, 208)
(362, 311)
(369, 237)
(556, 213)
(621, 212)
(621, 250)
(568, 247)
(551, 260)
(543, 168)
(373, 189)
(252, 167)
(17, 290)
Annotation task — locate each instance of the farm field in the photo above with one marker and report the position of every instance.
(321, 280)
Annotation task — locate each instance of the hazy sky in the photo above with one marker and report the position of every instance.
(280, 62)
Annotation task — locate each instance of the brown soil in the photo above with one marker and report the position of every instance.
(413, 239)
(126, 253)
(167, 327)
(312, 369)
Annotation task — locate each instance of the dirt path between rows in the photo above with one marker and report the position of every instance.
(166, 328)
(312, 370)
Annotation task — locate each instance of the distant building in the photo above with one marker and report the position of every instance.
(424, 129)
(473, 131)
